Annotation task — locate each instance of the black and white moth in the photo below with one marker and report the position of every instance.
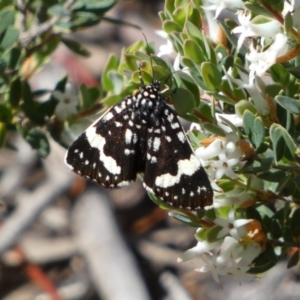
(142, 135)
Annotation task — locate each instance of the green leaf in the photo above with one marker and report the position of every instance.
(15, 93)
(295, 224)
(112, 100)
(9, 37)
(283, 143)
(288, 22)
(170, 5)
(212, 233)
(214, 129)
(193, 51)
(242, 106)
(38, 141)
(93, 5)
(170, 26)
(59, 10)
(258, 133)
(264, 261)
(185, 219)
(60, 86)
(258, 9)
(132, 61)
(276, 229)
(29, 106)
(248, 119)
(272, 175)
(183, 101)
(89, 95)
(112, 64)
(7, 18)
(211, 75)
(5, 114)
(14, 58)
(3, 131)
(290, 104)
(188, 83)
(76, 47)
(179, 15)
(194, 14)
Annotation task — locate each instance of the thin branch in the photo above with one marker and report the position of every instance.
(22, 16)
(37, 30)
(111, 264)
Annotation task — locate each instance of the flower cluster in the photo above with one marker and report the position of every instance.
(249, 154)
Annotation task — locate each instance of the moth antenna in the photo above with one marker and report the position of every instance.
(149, 53)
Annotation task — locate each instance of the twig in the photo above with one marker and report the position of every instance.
(112, 266)
(36, 30)
(22, 16)
(30, 204)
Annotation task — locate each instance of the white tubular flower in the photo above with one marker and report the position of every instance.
(219, 5)
(248, 83)
(226, 151)
(165, 49)
(260, 62)
(248, 28)
(232, 118)
(202, 247)
(224, 166)
(67, 104)
(237, 196)
(209, 152)
(233, 258)
(212, 266)
(232, 227)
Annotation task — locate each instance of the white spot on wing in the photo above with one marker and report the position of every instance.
(156, 144)
(107, 116)
(168, 138)
(170, 117)
(181, 136)
(185, 167)
(153, 159)
(128, 136)
(97, 141)
(123, 183)
(118, 109)
(67, 164)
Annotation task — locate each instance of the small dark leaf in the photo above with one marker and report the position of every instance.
(185, 219)
(89, 95)
(38, 141)
(265, 261)
(76, 47)
(295, 224)
(15, 93)
(5, 114)
(59, 10)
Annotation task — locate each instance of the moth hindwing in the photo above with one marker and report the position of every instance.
(142, 134)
